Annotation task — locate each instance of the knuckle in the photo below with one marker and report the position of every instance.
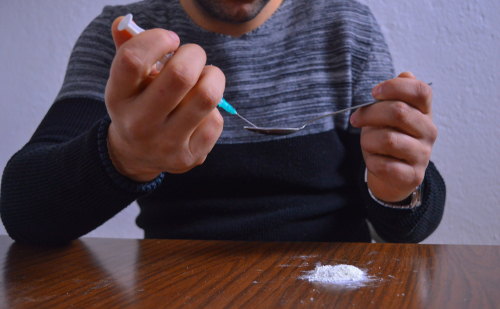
(390, 140)
(401, 111)
(183, 75)
(129, 62)
(208, 98)
(379, 167)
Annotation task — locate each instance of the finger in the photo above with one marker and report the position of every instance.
(180, 74)
(392, 143)
(394, 172)
(206, 135)
(119, 37)
(394, 114)
(407, 75)
(199, 102)
(133, 61)
(409, 90)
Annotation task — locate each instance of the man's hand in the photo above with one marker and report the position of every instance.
(164, 121)
(397, 136)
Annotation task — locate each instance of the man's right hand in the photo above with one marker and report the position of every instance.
(166, 121)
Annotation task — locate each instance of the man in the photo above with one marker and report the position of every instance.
(194, 171)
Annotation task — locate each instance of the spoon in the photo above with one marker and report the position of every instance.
(286, 131)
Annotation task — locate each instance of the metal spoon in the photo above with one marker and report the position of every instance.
(286, 131)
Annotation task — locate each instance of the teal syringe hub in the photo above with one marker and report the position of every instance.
(227, 107)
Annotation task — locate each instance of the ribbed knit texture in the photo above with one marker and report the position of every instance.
(123, 182)
(309, 58)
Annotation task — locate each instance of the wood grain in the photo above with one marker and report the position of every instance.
(210, 274)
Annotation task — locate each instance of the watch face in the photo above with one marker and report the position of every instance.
(417, 196)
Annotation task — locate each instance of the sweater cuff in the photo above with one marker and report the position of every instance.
(121, 180)
(409, 225)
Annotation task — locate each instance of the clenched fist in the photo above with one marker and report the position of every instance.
(397, 136)
(164, 121)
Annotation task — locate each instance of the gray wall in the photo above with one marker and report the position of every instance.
(455, 44)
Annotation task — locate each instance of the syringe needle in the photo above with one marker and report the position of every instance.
(246, 120)
(228, 108)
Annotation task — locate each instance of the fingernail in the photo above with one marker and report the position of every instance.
(174, 35)
(353, 119)
(377, 90)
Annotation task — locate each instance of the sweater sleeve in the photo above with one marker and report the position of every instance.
(409, 225)
(394, 225)
(62, 184)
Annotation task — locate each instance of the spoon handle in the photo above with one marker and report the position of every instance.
(345, 110)
(340, 111)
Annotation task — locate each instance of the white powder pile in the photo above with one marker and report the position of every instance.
(337, 273)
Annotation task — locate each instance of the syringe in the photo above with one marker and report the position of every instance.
(128, 24)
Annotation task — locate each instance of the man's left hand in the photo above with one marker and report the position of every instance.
(397, 136)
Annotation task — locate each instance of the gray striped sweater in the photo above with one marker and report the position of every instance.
(307, 59)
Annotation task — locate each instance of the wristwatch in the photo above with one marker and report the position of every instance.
(412, 201)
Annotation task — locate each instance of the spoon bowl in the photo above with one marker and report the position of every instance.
(273, 131)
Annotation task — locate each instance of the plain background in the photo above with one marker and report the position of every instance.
(454, 44)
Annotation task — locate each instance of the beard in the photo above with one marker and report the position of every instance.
(232, 11)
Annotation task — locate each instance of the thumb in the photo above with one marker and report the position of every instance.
(119, 37)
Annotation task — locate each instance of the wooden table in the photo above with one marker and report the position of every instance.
(209, 274)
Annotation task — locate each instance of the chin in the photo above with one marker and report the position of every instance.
(232, 11)
(240, 14)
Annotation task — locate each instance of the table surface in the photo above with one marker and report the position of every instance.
(213, 274)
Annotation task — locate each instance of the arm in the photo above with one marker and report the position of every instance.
(75, 174)
(396, 147)
(57, 188)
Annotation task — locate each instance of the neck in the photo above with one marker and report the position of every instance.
(211, 24)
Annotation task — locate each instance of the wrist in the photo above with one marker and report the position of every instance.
(383, 191)
(120, 159)
(411, 200)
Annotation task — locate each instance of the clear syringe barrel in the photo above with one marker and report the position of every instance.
(128, 24)
(160, 64)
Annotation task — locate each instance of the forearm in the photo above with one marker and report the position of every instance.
(54, 193)
(62, 184)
